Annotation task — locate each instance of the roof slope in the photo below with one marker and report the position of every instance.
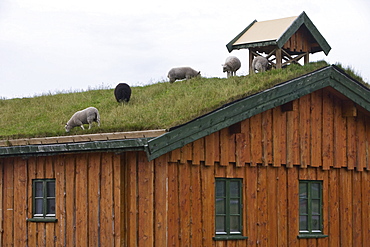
(330, 76)
(276, 32)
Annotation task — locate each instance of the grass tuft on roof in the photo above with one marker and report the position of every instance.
(156, 106)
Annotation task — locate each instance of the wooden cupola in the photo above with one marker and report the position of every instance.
(284, 41)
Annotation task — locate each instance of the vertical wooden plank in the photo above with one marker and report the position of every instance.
(175, 155)
(293, 223)
(367, 136)
(292, 136)
(241, 149)
(60, 210)
(81, 200)
(131, 199)
(272, 200)
(328, 131)
(282, 207)
(198, 149)
(196, 204)
(70, 200)
(208, 201)
(361, 144)
(93, 184)
(279, 137)
(173, 210)
(351, 143)
(8, 195)
(267, 137)
(316, 128)
(357, 227)
(340, 136)
(186, 153)
(106, 201)
(49, 228)
(245, 129)
(161, 199)
(225, 149)
(304, 130)
(117, 200)
(41, 227)
(20, 197)
(145, 200)
(323, 175)
(256, 139)
(251, 205)
(262, 193)
(333, 204)
(184, 205)
(345, 208)
(32, 240)
(210, 149)
(365, 192)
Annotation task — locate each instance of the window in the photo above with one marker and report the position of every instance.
(43, 200)
(228, 209)
(310, 209)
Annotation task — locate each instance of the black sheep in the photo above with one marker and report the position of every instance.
(122, 92)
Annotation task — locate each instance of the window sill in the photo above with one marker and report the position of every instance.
(312, 236)
(42, 220)
(229, 237)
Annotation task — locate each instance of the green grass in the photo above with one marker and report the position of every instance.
(157, 106)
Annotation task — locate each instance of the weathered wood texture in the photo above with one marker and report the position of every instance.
(272, 152)
(88, 200)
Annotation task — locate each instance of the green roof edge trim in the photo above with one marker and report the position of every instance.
(230, 46)
(245, 108)
(138, 144)
(297, 23)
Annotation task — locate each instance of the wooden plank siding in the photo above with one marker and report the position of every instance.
(85, 215)
(122, 199)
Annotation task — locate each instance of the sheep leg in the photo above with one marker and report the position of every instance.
(82, 127)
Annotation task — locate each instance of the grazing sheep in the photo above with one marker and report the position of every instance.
(232, 64)
(182, 73)
(122, 92)
(261, 64)
(86, 116)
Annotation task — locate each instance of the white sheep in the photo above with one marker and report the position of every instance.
(182, 73)
(261, 64)
(232, 64)
(86, 116)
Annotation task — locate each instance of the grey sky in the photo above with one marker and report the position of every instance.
(48, 46)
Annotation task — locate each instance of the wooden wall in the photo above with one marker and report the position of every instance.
(88, 199)
(172, 204)
(170, 201)
(301, 41)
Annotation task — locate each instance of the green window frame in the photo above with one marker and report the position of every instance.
(43, 200)
(310, 209)
(228, 209)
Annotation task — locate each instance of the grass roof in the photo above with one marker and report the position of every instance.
(157, 106)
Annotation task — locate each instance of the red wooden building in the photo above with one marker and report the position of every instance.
(288, 166)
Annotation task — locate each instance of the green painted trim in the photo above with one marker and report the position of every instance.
(312, 236)
(229, 237)
(230, 46)
(110, 145)
(303, 19)
(52, 220)
(257, 103)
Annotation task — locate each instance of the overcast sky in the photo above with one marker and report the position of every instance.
(73, 45)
